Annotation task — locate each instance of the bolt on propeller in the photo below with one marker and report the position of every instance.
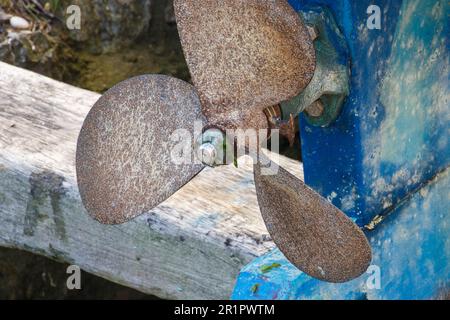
(211, 147)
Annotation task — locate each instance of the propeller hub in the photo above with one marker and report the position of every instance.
(208, 154)
(211, 147)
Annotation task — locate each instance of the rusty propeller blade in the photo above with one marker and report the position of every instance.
(314, 235)
(124, 157)
(244, 56)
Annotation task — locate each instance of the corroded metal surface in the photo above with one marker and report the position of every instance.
(123, 161)
(288, 128)
(313, 234)
(323, 98)
(244, 55)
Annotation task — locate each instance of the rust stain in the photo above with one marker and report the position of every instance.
(374, 223)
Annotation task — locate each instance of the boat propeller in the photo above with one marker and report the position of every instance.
(244, 56)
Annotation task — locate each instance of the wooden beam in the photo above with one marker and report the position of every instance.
(191, 246)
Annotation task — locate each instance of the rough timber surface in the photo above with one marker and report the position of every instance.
(191, 246)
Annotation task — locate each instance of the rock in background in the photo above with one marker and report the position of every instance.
(108, 25)
(29, 40)
(118, 39)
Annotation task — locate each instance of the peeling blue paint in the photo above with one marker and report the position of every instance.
(411, 142)
(411, 248)
(353, 157)
(388, 153)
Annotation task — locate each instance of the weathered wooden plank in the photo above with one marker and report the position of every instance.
(191, 246)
